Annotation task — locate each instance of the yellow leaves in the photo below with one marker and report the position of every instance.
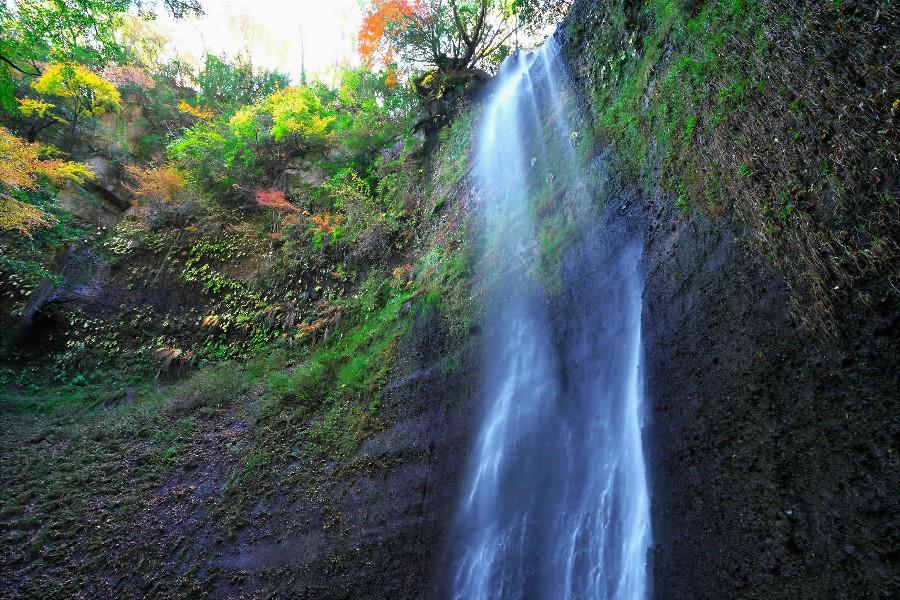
(210, 321)
(297, 110)
(428, 79)
(81, 86)
(22, 164)
(160, 184)
(318, 125)
(18, 160)
(194, 111)
(390, 79)
(62, 171)
(30, 106)
(244, 122)
(21, 216)
(403, 271)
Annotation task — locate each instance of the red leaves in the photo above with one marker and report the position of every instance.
(274, 199)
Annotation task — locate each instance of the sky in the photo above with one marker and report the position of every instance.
(271, 30)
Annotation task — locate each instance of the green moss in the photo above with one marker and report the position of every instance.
(452, 157)
(636, 115)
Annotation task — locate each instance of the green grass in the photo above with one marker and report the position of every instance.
(698, 84)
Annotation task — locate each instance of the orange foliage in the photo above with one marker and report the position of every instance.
(160, 183)
(197, 113)
(329, 316)
(290, 220)
(23, 163)
(326, 222)
(390, 79)
(383, 13)
(274, 199)
(209, 321)
(168, 356)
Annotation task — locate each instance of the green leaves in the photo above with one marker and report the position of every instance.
(225, 82)
(298, 111)
(75, 30)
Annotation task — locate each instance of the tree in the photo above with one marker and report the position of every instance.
(155, 184)
(83, 31)
(24, 164)
(371, 109)
(298, 111)
(27, 167)
(449, 34)
(222, 81)
(82, 91)
(280, 206)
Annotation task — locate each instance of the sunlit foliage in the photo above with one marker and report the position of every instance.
(160, 184)
(382, 16)
(16, 215)
(221, 150)
(298, 111)
(86, 91)
(24, 164)
(449, 34)
(194, 111)
(29, 107)
(35, 32)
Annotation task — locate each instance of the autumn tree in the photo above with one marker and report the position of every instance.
(156, 184)
(259, 136)
(81, 31)
(27, 167)
(275, 200)
(79, 90)
(447, 34)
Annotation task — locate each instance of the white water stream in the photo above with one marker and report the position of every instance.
(555, 501)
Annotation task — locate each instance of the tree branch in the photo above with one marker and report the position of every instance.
(459, 25)
(17, 67)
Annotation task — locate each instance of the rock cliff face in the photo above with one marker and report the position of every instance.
(774, 451)
(775, 447)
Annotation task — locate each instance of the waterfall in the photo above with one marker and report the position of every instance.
(555, 501)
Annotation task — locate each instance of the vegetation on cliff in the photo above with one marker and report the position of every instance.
(197, 255)
(782, 114)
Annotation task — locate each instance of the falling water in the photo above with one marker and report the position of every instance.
(555, 501)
